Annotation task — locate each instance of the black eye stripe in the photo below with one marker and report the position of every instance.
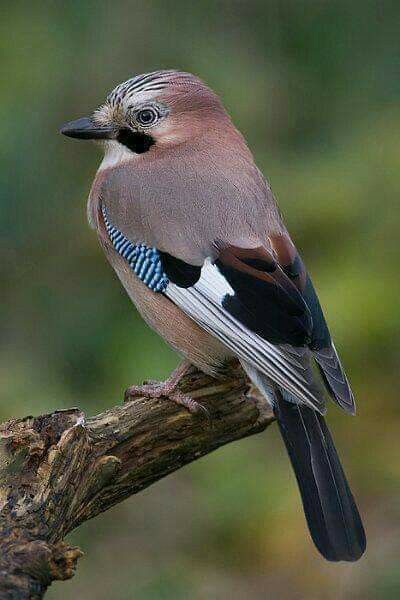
(134, 140)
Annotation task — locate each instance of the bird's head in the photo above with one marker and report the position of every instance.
(158, 109)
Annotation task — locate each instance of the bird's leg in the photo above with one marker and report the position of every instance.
(168, 388)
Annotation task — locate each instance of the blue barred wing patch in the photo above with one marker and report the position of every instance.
(144, 261)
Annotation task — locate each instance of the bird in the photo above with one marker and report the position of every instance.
(194, 233)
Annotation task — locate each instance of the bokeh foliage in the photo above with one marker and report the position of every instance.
(314, 86)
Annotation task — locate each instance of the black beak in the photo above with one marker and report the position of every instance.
(86, 129)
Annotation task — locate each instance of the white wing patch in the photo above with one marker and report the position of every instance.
(203, 303)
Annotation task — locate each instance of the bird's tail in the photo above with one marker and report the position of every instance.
(332, 515)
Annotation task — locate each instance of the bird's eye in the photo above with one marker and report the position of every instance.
(147, 116)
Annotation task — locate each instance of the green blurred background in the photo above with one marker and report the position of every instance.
(315, 88)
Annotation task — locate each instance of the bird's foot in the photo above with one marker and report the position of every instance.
(168, 389)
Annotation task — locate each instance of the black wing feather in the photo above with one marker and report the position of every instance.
(265, 299)
(320, 343)
(179, 271)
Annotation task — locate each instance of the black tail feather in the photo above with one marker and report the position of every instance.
(332, 516)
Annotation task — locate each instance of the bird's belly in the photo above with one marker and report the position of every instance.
(173, 325)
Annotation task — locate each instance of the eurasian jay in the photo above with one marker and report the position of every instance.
(192, 229)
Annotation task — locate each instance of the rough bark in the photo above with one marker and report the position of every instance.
(61, 469)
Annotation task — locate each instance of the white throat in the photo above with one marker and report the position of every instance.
(115, 154)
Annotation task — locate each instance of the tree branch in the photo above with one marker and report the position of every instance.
(61, 469)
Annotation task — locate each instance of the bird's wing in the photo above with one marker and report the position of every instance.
(321, 343)
(206, 303)
(264, 308)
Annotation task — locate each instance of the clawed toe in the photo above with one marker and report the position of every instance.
(152, 389)
(190, 404)
(148, 390)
